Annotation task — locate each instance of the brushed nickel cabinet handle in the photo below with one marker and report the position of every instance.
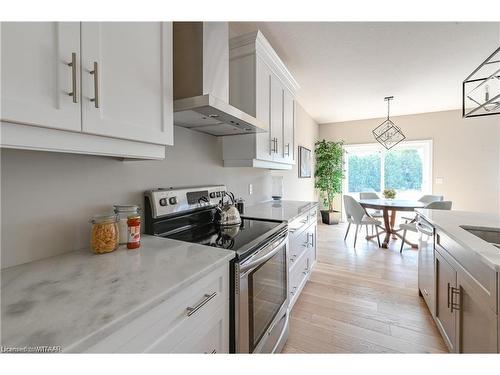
(208, 297)
(448, 297)
(288, 149)
(72, 64)
(455, 306)
(95, 73)
(275, 147)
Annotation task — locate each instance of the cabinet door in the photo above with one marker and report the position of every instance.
(276, 119)
(262, 109)
(36, 78)
(476, 322)
(426, 270)
(127, 80)
(445, 318)
(288, 126)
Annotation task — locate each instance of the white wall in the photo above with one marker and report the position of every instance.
(47, 198)
(466, 153)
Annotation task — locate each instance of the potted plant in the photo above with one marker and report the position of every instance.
(329, 172)
(389, 193)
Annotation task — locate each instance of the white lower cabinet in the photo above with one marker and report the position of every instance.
(195, 320)
(302, 254)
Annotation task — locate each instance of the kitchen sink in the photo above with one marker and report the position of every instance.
(491, 235)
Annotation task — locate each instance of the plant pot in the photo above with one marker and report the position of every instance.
(330, 217)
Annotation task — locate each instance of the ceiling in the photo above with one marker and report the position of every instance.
(345, 69)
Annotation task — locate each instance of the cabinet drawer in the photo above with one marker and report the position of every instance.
(312, 216)
(169, 322)
(297, 275)
(296, 226)
(210, 337)
(299, 244)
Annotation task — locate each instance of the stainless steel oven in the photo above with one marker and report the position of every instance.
(261, 298)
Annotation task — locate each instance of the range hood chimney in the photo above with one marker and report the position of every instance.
(201, 81)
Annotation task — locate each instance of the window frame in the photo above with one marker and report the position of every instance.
(427, 165)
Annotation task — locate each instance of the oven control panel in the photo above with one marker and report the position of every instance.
(167, 201)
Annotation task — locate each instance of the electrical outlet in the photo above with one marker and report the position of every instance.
(250, 189)
(439, 180)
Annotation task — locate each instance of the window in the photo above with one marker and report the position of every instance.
(406, 168)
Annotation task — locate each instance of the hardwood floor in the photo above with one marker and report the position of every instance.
(362, 300)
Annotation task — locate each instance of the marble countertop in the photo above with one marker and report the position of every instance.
(74, 298)
(278, 210)
(450, 222)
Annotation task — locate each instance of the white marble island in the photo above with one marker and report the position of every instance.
(283, 210)
(451, 223)
(75, 299)
(459, 279)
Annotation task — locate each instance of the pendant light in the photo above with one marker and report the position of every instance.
(481, 89)
(387, 133)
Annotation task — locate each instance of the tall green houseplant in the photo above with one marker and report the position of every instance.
(329, 173)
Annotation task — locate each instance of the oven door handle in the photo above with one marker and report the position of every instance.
(251, 265)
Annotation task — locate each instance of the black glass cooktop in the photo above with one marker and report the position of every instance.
(227, 237)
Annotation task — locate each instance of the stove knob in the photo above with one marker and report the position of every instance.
(218, 194)
(172, 200)
(163, 201)
(212, 195)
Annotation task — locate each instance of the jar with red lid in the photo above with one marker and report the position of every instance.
(134, 232)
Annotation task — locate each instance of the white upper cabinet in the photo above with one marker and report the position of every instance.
(126, 80)
(263, 108)
(36, 77)
(277, 119)
(93, 88)
(261, 85)
(288, 126)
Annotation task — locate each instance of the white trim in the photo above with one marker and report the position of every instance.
(256, 163)
(427, 166)
(28, 137)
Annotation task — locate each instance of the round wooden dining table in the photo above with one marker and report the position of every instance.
(392, 206)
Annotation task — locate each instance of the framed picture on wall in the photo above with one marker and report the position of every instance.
(304, 162)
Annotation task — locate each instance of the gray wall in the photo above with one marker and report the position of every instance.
(47, 198)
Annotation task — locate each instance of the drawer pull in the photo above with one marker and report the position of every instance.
(208, 297)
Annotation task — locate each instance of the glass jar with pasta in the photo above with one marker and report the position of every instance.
(104, 235)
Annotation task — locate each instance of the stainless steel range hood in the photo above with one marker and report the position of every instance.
(201, 81)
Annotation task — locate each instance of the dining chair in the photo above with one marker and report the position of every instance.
(430, 198)
(427, 198)
(357, 215)
(412, 227)
(371, 195)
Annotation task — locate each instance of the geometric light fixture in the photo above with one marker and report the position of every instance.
(481, 89)
(387, 133)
